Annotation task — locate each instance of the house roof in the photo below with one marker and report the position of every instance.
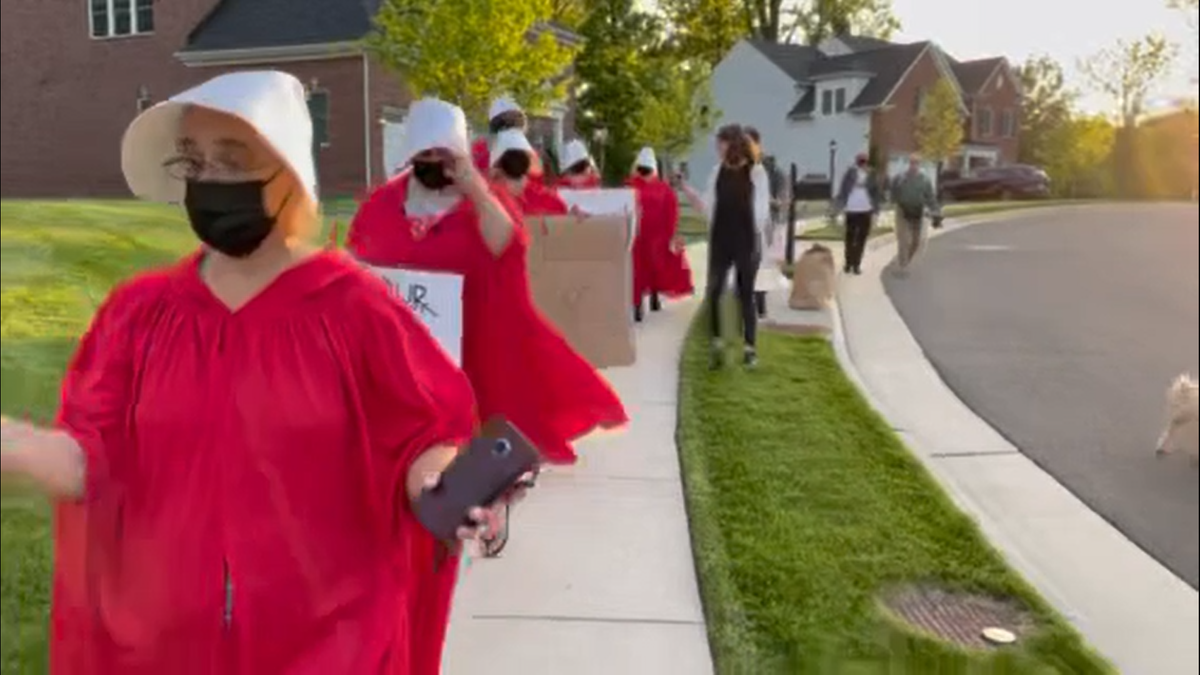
(253, 24)
(258, 24)
(886, 65)
(792, 59)
(973, 75)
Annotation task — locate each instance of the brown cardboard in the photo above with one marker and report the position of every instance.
(581, 273)
(814, 279)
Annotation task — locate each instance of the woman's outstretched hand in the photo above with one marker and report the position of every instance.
(486, 521)
(50, 459)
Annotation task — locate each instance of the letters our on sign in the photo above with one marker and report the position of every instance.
(436, 299)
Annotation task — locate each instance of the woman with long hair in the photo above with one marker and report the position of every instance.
(242, 434)
(737, 203)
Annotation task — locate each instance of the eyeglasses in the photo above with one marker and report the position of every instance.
(218, 170)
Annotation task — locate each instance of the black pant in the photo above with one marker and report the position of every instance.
(858, 231)
(743, 258)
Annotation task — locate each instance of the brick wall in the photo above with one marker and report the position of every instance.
(997, 97)
(67, 99)
(893, 128)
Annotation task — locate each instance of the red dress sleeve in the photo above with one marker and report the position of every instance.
(539, 200)
(413, 396)
(481, 155)
(96, 409)
(522, 367)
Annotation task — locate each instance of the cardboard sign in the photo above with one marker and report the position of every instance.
(436, 299)
(581, 276)
(604, 202)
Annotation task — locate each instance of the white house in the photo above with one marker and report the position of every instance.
(818, 107)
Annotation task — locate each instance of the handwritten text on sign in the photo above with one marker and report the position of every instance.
(436, 299)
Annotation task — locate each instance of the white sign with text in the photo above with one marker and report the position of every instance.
(436, 299)
(603, 202)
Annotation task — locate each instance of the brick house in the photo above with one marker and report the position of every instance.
(75, 74)
(817, 107)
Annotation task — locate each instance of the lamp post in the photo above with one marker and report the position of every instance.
(833, 148)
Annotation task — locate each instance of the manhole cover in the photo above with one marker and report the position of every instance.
(972, 621)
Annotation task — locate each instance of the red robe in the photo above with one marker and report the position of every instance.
(262, 451)
(519, 365)
(591, 181)
(657, 267)
(538, 200)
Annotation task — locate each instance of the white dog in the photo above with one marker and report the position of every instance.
(1183, 420)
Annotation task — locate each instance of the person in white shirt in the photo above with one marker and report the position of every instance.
(859, 198)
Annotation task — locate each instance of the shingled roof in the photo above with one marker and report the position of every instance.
(256, 24)
(259, 24)
(886, 63)
(973, 75)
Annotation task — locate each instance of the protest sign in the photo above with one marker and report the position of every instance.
(436, 299)
(605, 202)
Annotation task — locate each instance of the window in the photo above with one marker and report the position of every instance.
(144, 102)
(121, 18)
(827, 102)
(983, 123)
(318, 108)
(1008, 124)
(919, 101)
(839, 100)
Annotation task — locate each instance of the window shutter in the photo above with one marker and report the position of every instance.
(318, 108)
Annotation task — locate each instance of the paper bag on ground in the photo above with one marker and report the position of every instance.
(813, 279)
(581, 274)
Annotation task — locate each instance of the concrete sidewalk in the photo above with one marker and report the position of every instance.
(1131, 608)
(599, 577)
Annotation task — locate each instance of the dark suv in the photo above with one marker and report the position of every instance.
(1016, 181)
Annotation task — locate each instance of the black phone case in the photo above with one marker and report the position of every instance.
(492, 465)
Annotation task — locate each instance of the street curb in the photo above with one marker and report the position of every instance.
(1047, 585)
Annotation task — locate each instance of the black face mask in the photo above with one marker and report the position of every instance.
(579, 168)
(645, 172)
(432, 175)
(862, 163)
(514, 164)
(229, 218)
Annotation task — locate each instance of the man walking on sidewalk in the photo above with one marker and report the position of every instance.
(914, 197)
(858, 199)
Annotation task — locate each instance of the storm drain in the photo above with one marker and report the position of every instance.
(970, 621)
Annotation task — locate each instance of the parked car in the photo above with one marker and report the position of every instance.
(1017, 181)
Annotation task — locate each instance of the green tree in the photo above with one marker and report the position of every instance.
(614, 72)
(1079, 157)
(940, 128)
(1046, 107)
(707, 29)
(678, 105)
(1128, 71)
(469, 51)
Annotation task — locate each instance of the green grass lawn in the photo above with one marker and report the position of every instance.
(57, 262)
(805, 507)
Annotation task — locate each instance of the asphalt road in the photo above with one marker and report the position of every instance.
(1063, 330)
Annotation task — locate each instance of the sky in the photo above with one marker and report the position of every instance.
(1067, 30)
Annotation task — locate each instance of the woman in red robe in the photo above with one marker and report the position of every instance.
(442, 215)
(503, 114)
(512, 158)
(580, 173)
(660, 265)
(241, 434)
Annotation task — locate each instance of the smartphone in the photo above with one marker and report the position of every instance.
(493, 464)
